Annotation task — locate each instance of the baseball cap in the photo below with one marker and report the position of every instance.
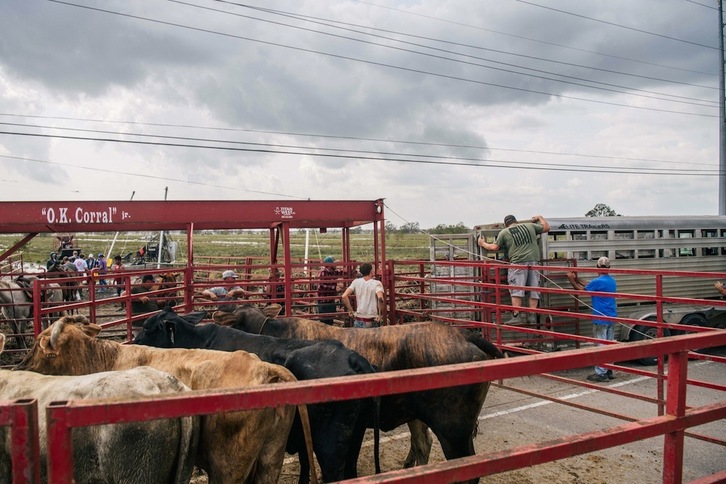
(227, 274)
(509, 220)
(603, 262)
(329, 259)
(147, 277)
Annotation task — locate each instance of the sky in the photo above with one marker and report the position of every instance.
(453, 111)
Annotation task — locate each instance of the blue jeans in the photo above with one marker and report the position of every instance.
(357, 323)
(602, 331)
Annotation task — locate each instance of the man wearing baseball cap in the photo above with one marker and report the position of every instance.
(601, 306)
(228, 291)
(519, 240)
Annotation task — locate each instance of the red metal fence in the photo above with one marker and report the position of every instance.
(477, 300)
(678, 418)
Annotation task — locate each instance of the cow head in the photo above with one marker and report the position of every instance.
(161, 329)
(62, 348)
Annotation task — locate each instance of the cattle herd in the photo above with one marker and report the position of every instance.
(246, 347)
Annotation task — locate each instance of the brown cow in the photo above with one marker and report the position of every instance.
(451, 413)
(156, 451)
(234, 446)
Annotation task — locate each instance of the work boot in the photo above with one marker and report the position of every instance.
(597, 378)
(610, 375)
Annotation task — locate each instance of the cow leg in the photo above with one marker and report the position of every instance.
(356, 442)
(421, 442)
(304, 467)
(272, 453)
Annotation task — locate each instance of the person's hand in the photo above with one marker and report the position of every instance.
(536, 218)
(378, 319)
(718, 285)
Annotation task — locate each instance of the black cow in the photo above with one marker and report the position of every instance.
(337, 428)
(451, 413)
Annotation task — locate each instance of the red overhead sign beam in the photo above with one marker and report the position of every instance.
(111, 216)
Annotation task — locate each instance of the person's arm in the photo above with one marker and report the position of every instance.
(235, 293)
(346, 301)
(719, 287)
(539, 219)
(492, 247)
(209, 295)
(575, 281)
(381, 306)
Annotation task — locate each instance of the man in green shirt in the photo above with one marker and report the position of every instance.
(519, 240)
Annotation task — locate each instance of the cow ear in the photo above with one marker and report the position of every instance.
(91, 329)
(272, 311)
(46, 349)
(195, 317)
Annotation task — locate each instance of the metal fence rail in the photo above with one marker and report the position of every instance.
(64, 416)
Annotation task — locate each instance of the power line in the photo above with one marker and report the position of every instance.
(447, 161)
(318, 135)
(336, 23)
(382, 64)
(613, 24)
(329, 23)
(538, 41)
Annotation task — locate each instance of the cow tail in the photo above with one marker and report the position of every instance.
(483, 344)
(377, 434)
(303, 411)
(188, 441)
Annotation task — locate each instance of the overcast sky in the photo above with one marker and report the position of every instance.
(453, 111)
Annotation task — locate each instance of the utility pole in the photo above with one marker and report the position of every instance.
(722, 118)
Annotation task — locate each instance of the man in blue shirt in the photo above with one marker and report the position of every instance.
(601, 306)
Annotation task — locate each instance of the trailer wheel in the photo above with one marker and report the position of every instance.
(642, 333)
(693, 319)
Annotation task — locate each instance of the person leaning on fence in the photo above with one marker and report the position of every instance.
(519, 240)
(601, 306)
(142, 303)
(369, 299)
(225, 292)
(327, 289)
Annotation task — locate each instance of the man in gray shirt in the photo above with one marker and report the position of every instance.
(519, 240)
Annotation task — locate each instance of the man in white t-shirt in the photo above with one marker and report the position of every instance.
(369, 299)
(80, 264)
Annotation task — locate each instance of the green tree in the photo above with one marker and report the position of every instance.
(410, 228)
(602, 210)
(459, 228)
(391, 227)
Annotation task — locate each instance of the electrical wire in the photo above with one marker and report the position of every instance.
(448, 161)
(336, 137)
(383, 64)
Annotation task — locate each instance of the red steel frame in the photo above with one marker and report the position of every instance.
(63, 416)
(279, 217)
(22, 417)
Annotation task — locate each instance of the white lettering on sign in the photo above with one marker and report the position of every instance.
(60, 215)
(285, 212)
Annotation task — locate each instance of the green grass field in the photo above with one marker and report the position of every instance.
(227, 244)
